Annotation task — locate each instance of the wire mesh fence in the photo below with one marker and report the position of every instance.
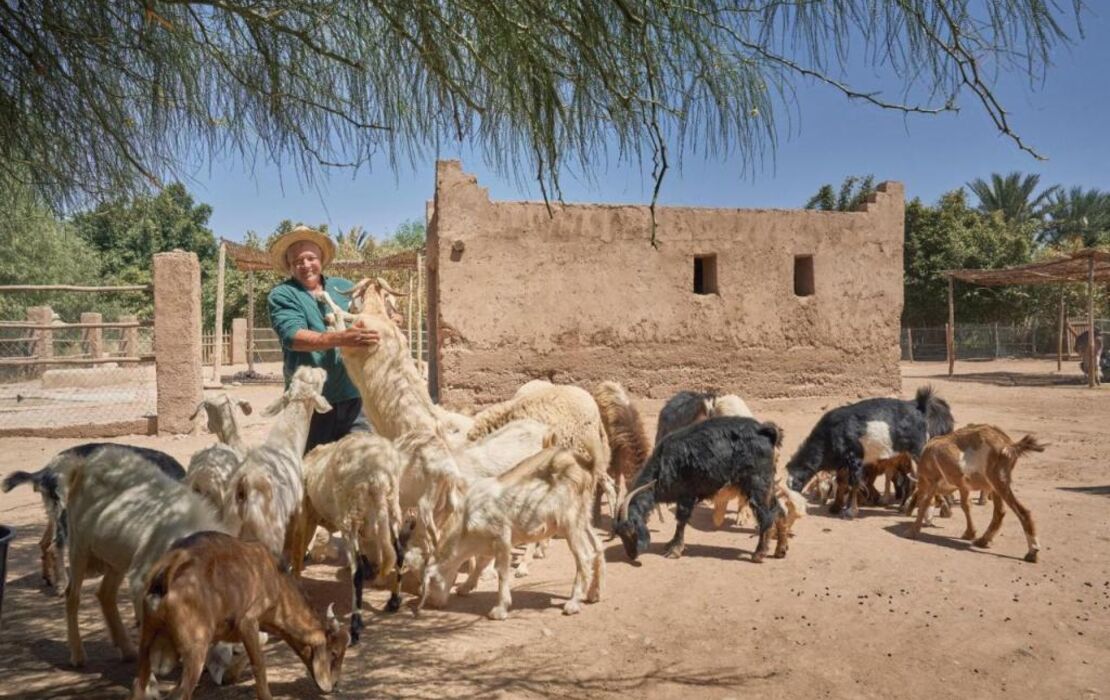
(985, 341)
(68, 378)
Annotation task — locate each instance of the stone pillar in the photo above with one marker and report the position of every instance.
(177, 318)
(238, 341)
(92, 338)
(129, 346)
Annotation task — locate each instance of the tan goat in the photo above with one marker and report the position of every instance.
(975, 457)
(213, 587)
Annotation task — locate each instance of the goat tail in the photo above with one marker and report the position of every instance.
(19, 478)
(772, 432)
(923, 396)
(1026, 444)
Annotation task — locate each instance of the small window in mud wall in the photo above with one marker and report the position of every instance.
(705, 274)
(803, 276)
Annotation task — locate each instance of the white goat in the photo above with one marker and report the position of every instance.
(268, 490)
(122, 514)
(548, 494)
(220, 413)
(351, 485)
(212, 468)
(572, 415)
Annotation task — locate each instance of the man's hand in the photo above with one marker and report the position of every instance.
(356, 337)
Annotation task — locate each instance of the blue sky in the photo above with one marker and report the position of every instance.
(826, 139)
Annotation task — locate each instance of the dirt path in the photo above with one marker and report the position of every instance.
(856, 609)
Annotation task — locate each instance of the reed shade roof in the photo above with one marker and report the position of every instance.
(1070, 268)
(250, 260)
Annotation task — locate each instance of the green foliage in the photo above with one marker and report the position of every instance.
(1078, 218)
(102, 97)
(952, 236)
(409, 235)
(1014, 196)
(854, 191)
(40, 249)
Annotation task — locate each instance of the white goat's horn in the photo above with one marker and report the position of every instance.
(622, 512)
(330, 614)
(385, 285)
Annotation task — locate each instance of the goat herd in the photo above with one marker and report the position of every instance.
(211, 553)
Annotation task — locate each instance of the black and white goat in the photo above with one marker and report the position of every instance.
(852, 436)
(49, 482)
(694, 463)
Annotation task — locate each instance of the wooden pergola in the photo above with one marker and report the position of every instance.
(251, 260)
(1087, 265)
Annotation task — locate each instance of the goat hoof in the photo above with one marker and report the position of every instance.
(394, 603)
(572, 607)
(981, 543)
(356, 628)
(780, 554)
(499, 614)
(757, 558)
(77, 660)
(968, 535)
(521, 572)
(674, 551)
(1031, 557)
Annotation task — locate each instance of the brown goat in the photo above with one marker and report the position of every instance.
(975, 457)
(212, 587)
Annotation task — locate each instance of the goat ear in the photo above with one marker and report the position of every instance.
(245, 407)
(200, 407)
(274, 408)
(322, 405)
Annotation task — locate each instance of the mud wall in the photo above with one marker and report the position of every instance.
(581, 296)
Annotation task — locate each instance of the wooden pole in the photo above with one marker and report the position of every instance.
(250, 322)
(1060, 337)
(409, 310)
(420, 308)
(218, 336)
(909, 342)
(1092, 363)
(951, 329)
(72, 288)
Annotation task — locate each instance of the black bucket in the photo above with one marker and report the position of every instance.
(6, 534)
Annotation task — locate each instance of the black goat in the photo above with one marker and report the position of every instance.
(862, 433)
(681, 410)
(48, 480)
(694, 463)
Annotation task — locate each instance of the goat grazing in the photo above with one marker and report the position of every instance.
(975, 457)
(351, 485)
(122, 514)
(49, 482)
(268, 489)
(852, 436)
(548, 494)
(694, 463)
(211, 587)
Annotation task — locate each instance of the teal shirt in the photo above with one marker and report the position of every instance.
(292, 309)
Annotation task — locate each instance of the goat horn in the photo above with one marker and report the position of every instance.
(330, 614)
(622, 512)
(200, 407)
(385, 285)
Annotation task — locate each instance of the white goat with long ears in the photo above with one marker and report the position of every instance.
(267, 492)
(220, 413)
(212, 468)
(396, 400)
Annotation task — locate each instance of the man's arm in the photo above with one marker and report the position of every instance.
(305, 340)
(288, 321)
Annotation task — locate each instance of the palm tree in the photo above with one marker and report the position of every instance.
(353, 244)
(854, 191)
(1012, 195)
(1078, 216)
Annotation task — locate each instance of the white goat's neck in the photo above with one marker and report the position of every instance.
(289, 432)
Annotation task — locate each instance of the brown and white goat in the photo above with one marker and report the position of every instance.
(548, 494)
(975, 457)
(212, 587)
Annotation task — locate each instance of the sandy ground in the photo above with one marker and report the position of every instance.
(856, 609)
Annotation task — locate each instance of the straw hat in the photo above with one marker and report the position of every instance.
(301, 233)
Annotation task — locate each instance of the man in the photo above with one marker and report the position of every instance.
(298, 320)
